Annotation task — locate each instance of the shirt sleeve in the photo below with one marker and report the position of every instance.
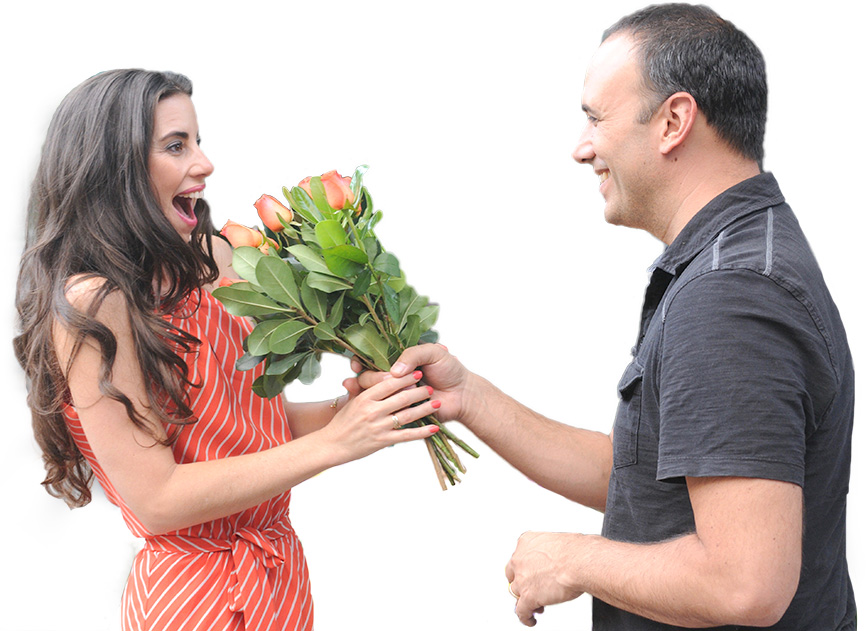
(738, 352)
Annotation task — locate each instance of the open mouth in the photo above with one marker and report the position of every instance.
(185, 206)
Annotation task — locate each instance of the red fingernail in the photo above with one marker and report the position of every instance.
(433, 428)
(429, 390)
(436, 404)
(417, 374)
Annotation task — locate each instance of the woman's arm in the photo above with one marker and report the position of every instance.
(165, 495)
(306, 418)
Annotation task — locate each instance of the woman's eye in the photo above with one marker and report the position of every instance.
(175, 147)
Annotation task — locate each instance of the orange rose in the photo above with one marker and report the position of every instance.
(270, 211)
(338, 189)
(225, 281)
(239, 235)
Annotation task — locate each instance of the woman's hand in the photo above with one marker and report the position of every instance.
(373, 419)
(444, 372)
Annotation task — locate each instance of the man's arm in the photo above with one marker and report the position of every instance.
(740, 566)
(573, 462)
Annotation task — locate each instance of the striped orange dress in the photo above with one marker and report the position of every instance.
(246, 571)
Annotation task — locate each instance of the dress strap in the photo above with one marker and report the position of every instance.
(253, 552)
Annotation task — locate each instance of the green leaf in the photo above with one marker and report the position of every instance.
(410, 301)
(320, 198)
(357, 178)
(248, 361)
(315, 301)
(428, 316)
(387, 263)
(373, 220)
(287, 227)
(326, 282)
(410, 304)
(325, 331)
(330, 233)
(246, 302)
(372, 247)
(308, 235)
(244, 261)
(309, 259)
(257, 341)
(362, 284)
(366, 339)
(412, 332)
(429, 337)
(311, 369)
(282, 365)
(268, 386)
(302, 204)
(336, 314)
(345, 260)
(392, 304)
(366, 199)
(277, 280)
(284, 339)
(397, 283)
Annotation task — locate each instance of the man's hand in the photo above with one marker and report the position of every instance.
(741, 565)
(537, 572)
(442, 371)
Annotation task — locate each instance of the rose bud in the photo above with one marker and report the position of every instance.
(267, 244)
(338, 189)
(239, 235)
(225, 281)
(270, 211)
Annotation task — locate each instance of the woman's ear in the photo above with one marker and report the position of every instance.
(679, 113)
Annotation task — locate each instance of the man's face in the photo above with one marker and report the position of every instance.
(614, 143)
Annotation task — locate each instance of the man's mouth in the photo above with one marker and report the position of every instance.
(602, 177)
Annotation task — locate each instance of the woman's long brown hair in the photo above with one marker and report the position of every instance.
(92, 214)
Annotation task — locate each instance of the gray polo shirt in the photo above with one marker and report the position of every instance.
(741, 368)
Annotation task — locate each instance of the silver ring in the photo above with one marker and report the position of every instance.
(511, 591)
(395, 421)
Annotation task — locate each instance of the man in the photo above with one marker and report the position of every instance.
(724, 480)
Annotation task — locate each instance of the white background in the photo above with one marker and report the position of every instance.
(467, 113)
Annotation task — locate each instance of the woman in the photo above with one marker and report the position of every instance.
(130, 364)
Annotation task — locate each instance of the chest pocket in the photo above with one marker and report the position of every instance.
(627, 423)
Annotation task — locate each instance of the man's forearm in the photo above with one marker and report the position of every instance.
(677, 582)
(570, 461)
(740, 566)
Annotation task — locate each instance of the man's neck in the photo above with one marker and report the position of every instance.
(701, 184)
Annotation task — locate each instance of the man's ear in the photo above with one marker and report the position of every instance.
(679, 113)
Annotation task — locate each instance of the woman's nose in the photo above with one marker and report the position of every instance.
(203, 165)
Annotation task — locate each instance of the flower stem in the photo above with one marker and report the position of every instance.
(440, 474)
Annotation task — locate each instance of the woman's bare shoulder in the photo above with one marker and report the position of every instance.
(89, 294)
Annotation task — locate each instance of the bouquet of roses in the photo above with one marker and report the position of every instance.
(317, 280)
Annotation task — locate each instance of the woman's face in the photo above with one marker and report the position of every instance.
(177, 166)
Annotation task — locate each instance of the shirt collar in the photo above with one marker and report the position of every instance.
(756, 193)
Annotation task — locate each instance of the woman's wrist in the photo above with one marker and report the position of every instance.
(337, 403)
